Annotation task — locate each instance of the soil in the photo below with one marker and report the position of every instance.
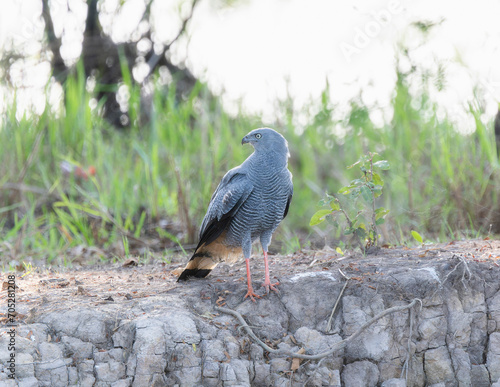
(132, 324)
(48, 289)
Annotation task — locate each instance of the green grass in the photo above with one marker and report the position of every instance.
(441, 183)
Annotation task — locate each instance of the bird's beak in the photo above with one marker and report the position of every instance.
(245, 140)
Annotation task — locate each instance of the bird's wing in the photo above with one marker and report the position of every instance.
(231, 193)
(290, 194)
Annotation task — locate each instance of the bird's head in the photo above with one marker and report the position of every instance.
(266, 140)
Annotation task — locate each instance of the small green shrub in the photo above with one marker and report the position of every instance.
(356, 217)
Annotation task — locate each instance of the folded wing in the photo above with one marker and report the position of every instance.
(232, 192)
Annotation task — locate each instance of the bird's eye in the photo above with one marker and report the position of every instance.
(258, 135)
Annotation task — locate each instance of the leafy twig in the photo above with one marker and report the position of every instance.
(367, 187)
(374, 213)
(351, 225)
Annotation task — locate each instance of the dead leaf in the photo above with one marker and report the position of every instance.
(130, 262)
(296, 361)
(220, 301)
(64, 231)
(81, 290)
(55, 282)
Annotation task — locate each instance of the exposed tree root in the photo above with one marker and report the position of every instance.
(341, 344)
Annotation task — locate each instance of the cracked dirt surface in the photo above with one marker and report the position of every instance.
(119, 326)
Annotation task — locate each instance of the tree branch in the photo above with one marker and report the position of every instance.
(55, 43)
(156, 59)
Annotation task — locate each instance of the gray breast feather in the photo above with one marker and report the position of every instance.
(267, 205)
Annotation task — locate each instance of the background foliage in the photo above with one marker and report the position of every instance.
(160, 148)
(153, 182)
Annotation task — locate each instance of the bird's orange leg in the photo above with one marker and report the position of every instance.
(267, 281)
(250, 292)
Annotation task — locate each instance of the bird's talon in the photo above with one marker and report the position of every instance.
(251, 294)
(272, 287)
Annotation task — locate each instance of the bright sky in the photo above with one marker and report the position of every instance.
(250, 51)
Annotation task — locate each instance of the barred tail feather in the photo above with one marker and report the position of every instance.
(200, 265)
(208, 256)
